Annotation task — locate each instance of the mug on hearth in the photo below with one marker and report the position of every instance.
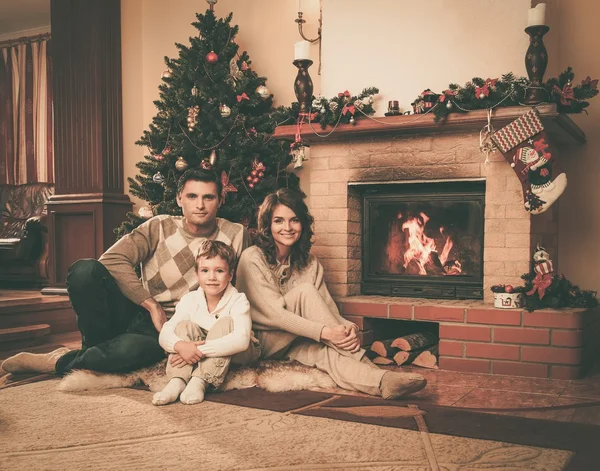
(394, 107)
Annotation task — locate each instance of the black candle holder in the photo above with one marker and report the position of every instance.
(303, 86)
(536, 61)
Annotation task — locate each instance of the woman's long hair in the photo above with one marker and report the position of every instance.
(295, 201)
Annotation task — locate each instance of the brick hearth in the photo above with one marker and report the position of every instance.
(474, 336)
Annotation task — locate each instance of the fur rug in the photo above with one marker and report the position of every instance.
(273, 376)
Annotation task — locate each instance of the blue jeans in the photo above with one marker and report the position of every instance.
(117, 335)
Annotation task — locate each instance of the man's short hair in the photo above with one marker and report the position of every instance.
(200, 175)
(215, 248)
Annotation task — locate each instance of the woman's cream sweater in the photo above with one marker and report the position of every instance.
(265, 286)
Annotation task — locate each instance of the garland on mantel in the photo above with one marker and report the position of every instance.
(480, 94)
(341, 109)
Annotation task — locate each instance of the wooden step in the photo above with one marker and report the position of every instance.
(53, 310)
(25, 336)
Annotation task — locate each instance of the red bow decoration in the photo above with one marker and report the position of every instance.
(241, 97)
(491, 82)
(446, 94)
(227, 186)
(485, 91)
(345, 93)
(349, 109)
(592, 83)
(258, 166)
(252, 132)
(566, 94)
(540, 284)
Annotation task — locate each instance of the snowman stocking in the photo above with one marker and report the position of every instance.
(525, 146)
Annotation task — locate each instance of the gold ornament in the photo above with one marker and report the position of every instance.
(213, 157)
(194, 91)
(181, 164)
(166, 74)
(191, 118)
(225, 110)
(263, 92)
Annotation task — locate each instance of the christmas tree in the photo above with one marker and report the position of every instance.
(214, 112)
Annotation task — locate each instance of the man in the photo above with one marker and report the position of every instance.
(118, 314)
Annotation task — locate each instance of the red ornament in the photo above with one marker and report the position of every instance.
(508, 289)
(254, 173)
(227, 186)
(261, 174)
(212, 58)
(251, 185)
(249, 178)
(256, 180)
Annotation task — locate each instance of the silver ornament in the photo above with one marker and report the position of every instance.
(263, 92)
(166, 74)
(225, 111)
(213, 157)
(194, 91)
(352, 120)
(333, 105)
(449, 105)
(181, 164)
(158, 178)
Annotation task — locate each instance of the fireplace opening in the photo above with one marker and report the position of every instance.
(423, 239)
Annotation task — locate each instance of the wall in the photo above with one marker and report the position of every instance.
(400, 47)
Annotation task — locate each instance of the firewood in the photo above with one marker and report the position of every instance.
(382, 361)
(427, 358)
(384, 348)
(406, 358)
(415, 341)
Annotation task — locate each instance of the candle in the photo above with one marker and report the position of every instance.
(301, 50)
(537, 15)
(299, 5)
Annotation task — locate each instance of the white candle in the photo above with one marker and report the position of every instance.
(537, 15)
(301, 50)
(299, 5)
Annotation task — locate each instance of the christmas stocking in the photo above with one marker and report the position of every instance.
(525, 147)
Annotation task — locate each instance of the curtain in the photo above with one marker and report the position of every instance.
(26, 132)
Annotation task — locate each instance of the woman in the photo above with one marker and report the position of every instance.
(293, 314)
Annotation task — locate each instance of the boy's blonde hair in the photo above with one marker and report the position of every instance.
(216, 248)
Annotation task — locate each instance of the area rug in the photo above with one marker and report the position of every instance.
(43, 428)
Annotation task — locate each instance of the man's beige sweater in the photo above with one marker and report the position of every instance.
(167, 254)
(266, 285)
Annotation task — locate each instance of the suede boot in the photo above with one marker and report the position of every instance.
(34, 362)
(395, 385)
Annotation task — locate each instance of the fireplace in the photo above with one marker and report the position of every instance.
(423, 240)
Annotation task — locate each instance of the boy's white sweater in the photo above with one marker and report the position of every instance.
(193, 308)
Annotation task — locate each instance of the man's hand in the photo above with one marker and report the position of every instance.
(188, 351)
(157, 314)
(351, 343)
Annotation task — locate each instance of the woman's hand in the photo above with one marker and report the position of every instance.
(334, 334)
(351, 343)
(188, 351)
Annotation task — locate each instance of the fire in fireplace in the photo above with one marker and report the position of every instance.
(424, 239)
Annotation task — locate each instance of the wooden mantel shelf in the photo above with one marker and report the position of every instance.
(560, 126)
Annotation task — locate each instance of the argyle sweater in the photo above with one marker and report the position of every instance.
(166, 253)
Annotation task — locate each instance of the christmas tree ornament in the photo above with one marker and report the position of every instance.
(166, 74)
(212, 58)
(251, 185)
(263, 92)
(449, 105)
(181, 164)
(224, 110)
(205, 164)
(234, 71)
(227, 186)
(255, 180)
(158, 178)
(323, 109)
(254, 173)
(191, 118)
(145, 212)
(194, 91)
(212, 160)
(543, 269)
(524, 144)
(249, 178)
(352, 120)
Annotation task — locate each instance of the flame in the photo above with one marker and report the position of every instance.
(422, 250)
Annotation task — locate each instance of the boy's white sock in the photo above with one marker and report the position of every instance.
(194, 391)
(170, 393)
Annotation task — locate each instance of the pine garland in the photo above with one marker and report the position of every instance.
(479, 94)
(561, 293)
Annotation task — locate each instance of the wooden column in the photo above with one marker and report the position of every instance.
(88, 202)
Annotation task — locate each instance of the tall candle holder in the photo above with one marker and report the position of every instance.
(303, 86)
(536, 61)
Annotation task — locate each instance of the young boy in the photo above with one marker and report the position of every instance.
(210, 328)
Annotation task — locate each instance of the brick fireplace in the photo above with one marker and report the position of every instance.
(474, 336)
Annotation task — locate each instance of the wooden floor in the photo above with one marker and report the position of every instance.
(548, 399)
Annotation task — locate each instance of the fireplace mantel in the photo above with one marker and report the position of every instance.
(562, 128)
